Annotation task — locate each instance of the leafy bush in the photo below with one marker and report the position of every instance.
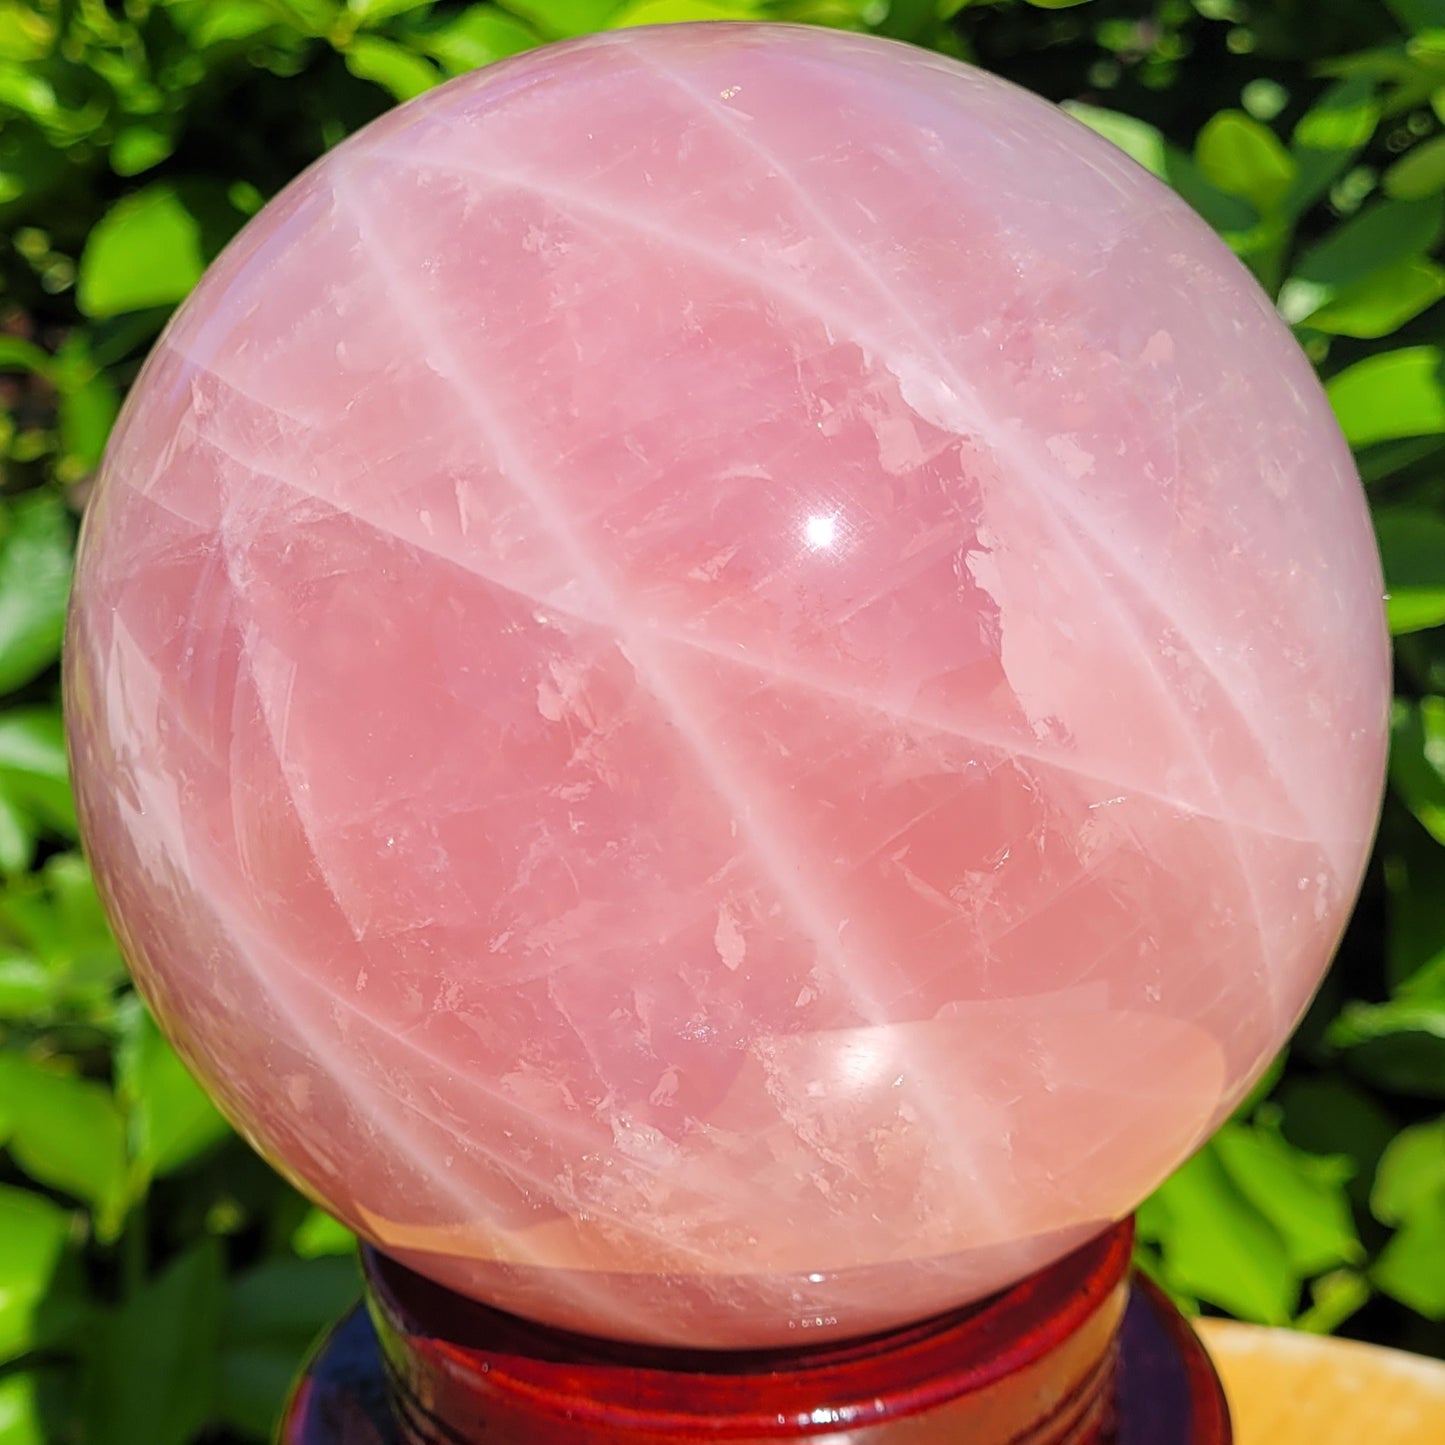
(157, 1283)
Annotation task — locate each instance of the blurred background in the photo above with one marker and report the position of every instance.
(158, 1284)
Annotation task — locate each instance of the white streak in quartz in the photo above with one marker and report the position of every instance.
(952, 406)
(956, 406)
(934, 403)
(271, 682)
(976, 733)
(759, 823)
(966, 414)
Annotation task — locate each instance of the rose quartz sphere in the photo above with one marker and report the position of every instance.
(727, 683)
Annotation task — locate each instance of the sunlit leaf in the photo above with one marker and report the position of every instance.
(477, 36)
(319, 1235)
(33, 1232)
(1343, 119)
(1216, 1246)
(393, 67)
(1302, 1195)
(1381, 236)
(557, 19)
(1382, 303)
(172, 1119)
(36, 538)
(1145, 144)
(1410, 1180)
(1411, 1267)
(670, 12)
(21, 1419)
(87, 413)
(1390, 395)
(27, 987)
(33, 765)
(1418, 173)
(1239, 155)
(68, 1134)
(25, 34)
(146, 251)
(138, 147)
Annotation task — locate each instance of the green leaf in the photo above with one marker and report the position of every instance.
(1216, 1246)
(1331, 1115)
(1418, 173)
(153, 1364)
(373, 12)
(1418, 14)
(1334, 1297)
(1302, 1195)
(560, 19)
(1138, 139)
(1411, 1267)
(476, 37)
(17, 354)
(218, 22)
(1414, 871)
(172, 1120)
(671, 12)
(319, 1235)
(138, 147)
(21, 1422)
(1398, 1045)
(33, 1233)
(68, 1134)
(33, 766)
(1417, 760)
(1392, 395)
(24, 35)
(1410, 1180)
(290, 1299)
(1145, 144)
(18, 839)
(35, 564)
(1378, 238)
(34, 788)
(146, 251)
(1342, 120)
(27, 988)
(87, 413)
(24, 89)
(1056, 4)
(1412, 547)
(274, 1315)
(1382, 303)
(393, 67)
(1241, 156)
(56, 917)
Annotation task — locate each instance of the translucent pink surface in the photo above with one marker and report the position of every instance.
(728, 682)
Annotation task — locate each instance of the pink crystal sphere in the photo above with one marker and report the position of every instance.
(727, 683)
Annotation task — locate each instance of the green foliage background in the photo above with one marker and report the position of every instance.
(157, 1283)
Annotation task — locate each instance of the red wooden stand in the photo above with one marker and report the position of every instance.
(1076, 1355)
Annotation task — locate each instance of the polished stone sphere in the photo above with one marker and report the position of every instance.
(727, 683)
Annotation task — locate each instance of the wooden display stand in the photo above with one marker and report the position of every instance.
(1078, 1354)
